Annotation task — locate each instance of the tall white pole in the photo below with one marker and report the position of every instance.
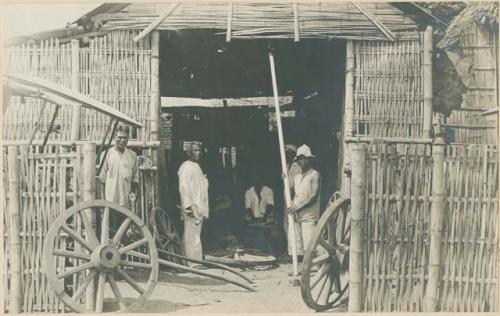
(288, 198)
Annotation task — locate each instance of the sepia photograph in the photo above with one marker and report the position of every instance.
(249, 156)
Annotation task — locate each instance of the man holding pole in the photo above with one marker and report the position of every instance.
(305, 204)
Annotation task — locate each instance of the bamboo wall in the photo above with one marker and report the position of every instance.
(469, 251)
(478, 47)
(398, 199)
(112, 69)
(397, 210)
(388, 89)
(49, 182)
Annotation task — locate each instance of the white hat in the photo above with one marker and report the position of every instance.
(291, 147)
(305, 151)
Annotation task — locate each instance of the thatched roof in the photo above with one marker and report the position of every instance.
(484, 14)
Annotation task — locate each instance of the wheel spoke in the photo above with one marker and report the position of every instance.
(322, 288)
(329, 248)
(77, 237)
(71, 254)
(99, 302)
(85, 284)
(321, 259)
(138, 254)
(91, 234)
(319, 275)
(136, 264)
(105, 227)
(337, 285)
(132, 246)
(74, 270)
(121, 230)
(130, 281)
(116, 291)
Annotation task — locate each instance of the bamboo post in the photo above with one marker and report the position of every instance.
(357, 215)
(437, 209)
(15, 297)
(288, 197)
(348, 115)
(155, 85)
(75, 85)
(427, 69)
(89, 193)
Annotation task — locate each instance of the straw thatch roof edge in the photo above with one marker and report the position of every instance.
(483, 14)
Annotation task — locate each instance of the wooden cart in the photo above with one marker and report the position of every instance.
(325, 269)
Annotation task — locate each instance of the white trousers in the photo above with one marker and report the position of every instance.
(192, 239)
(303, 235)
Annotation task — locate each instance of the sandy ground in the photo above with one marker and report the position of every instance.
(189, 293)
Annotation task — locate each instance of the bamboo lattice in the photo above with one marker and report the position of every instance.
(116, 71)
(113, 69)
(469, 252)
(50, 181)
(397, 206)
(388, 89)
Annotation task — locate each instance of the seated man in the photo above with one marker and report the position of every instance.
(260, 230)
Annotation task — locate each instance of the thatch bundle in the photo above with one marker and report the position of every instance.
(254, 20)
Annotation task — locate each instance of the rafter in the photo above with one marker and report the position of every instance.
(380, 26)
(156, 22)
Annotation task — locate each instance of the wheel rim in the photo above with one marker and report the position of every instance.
(100, 256)
(324, 278)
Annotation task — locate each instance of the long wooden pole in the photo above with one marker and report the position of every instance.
(427, 69)
(75, 85)
(437, 209)
(348, 117)
(89, 193)
(15, 294)
(157, 156)
(357, 215)
(288, 198)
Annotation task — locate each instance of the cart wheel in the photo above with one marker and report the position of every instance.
(324, 279)
(166, 235)
(101, 258)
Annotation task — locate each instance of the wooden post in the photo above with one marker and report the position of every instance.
(437, 210)
(89, 193)
(427, 69)
(15, 295)
(348, 117)
(155, 85)
(357, 215)
(75, 85)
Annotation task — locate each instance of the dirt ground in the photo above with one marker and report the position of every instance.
(189, 293)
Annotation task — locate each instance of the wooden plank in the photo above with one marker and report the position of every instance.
(380, 26)
(174, 102)
(229, 22)
(71, 95)
(156, 22)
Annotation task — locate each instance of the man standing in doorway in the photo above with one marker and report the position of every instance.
(120, 173)
(193, 189)
(305, 203)
(293, 170)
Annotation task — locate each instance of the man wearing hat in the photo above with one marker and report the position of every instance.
(120, 173)
(305, 203)
(293, 170)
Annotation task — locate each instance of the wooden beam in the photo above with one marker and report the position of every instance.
(75, 85)
(229, 22)
(174, 102)
(154, 106)
(156, 22)
(380, 26)
(70, 96)
(427, 77)
(296, 22)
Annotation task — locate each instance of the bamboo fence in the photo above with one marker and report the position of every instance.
(49, 181)
(388, 89)
(469, 252)
(397, 206)
(112, 69)
(479, 47)
(397, 231)
(268, 20)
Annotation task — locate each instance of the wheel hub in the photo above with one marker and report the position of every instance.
(106, 257)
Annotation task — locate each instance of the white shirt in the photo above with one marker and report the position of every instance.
(118, 171)
(257, 206)
(193, 187)
(303, 191)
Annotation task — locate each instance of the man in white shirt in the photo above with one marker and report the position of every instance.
(120, 173)
(193, 189)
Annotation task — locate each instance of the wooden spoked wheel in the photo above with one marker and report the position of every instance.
(99, 258)
(324, 275)
(166, 234)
